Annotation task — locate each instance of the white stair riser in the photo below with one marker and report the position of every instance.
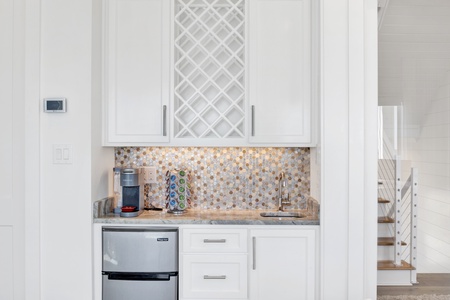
(394, 277)
(385, 253)
(385, 230)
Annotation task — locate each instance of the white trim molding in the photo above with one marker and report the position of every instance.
(32, 150)
(349, 145)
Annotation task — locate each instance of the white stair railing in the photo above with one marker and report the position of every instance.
(402, 193)
(398, 213)
(414, 177)
(406, 220)
(404, 212)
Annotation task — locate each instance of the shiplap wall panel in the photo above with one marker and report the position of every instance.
(439, 207)
(6, 150)
(413, 20)
(425, 38)
(6, 262)
(427, 168)
(434, 193)
(433, 230)
(418, 48)
(422, 3)
(430, 263)
(6, 99)
(420, 10)
(432, 152)
(414, 69)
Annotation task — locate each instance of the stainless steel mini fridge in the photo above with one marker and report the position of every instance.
(140, 263)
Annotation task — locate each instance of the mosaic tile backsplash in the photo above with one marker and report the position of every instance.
(226, 178)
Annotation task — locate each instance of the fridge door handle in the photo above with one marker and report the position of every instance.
(140, 276)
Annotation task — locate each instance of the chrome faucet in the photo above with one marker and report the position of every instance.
(281, 185)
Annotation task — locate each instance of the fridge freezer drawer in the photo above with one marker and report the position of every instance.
(122, 289)
(140, 249)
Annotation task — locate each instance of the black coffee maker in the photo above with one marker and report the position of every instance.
(132, 192)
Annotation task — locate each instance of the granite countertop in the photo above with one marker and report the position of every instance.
(212, 217)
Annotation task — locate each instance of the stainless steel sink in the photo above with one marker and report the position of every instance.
(285, 214)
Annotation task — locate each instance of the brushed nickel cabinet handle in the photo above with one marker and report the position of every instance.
(215, 277)
(254, 252)
(253, 120)
(214, 241)
(164, 120)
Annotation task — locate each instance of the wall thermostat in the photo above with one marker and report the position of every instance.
(55, 105)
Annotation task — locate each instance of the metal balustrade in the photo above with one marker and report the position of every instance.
(403, 197)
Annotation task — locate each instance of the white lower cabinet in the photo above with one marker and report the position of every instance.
(283, 264)
(248, 262)
(213, 263)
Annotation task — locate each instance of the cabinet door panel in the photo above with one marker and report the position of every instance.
(280, 71)
(136, 70)
(283, 265)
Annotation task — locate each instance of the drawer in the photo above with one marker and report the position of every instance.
(214, 276)
(214, 240)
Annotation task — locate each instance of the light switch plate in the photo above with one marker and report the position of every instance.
(62, 154)
(149, 174)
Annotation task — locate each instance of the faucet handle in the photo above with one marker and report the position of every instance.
(286, 201)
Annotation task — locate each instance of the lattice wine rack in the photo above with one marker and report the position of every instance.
(209, 78)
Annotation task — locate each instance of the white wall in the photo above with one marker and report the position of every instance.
(69, 69)
(66, 190)
(12, 149)
(33, 107)
(414, 65)
(430, 152)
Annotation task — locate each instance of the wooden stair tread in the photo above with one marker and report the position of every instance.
(385, 220)
(389, 265)
(381, 200)
(387, 241)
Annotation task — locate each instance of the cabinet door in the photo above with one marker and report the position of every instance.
(136, 71)
(283, 264)
(280, 71)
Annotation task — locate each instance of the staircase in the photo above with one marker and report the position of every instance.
(397, 214)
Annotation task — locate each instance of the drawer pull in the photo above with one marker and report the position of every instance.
(164, 120)
(214, 241)
(254, 252)
(214, 277)
(253, 120)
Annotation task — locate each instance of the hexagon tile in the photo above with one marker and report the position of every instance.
(226, 178)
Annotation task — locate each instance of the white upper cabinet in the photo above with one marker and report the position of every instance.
(136, 72)
(208, 73)
(280, 71)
